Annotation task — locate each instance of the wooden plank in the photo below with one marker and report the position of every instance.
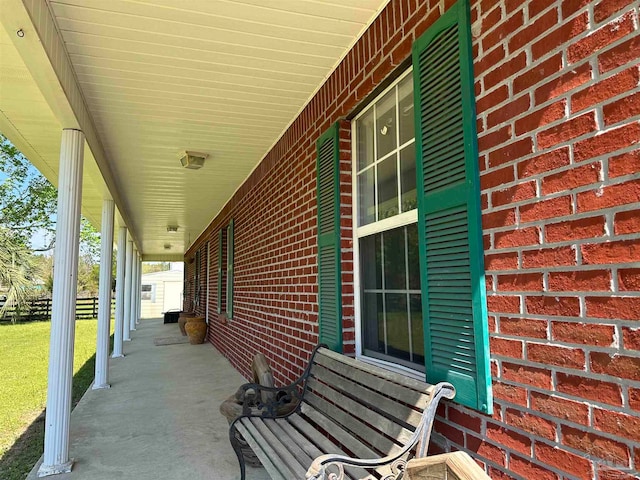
(281, 450)
(380, 380)
(379, 422)
(372, 399)
(262, 451)
(448, 466)
(375, 439)
(297, 447)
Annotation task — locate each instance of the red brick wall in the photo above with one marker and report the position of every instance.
(558, 121)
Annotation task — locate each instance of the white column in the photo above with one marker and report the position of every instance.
(122, 260)
(104, 296)
(127, 291)
(134, 290)
(139, 302)
(65, 280)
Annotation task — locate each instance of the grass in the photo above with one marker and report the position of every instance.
(23, 376)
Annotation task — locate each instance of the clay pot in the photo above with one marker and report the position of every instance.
(196, 329)
(182, 319)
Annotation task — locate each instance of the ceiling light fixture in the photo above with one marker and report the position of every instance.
(172, 228)
(167, 246)
(192, 160)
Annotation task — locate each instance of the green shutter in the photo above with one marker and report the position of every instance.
(230, 270)
(451, 255)
(220, 235)
(329, 277)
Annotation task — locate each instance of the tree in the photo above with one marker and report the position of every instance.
(17, 271)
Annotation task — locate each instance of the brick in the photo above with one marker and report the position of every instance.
(600, 39)
(617, 365)
(605, 8)
(631, 338)
(517, 238)
(561, 408)
(605, 89)
(492, 99)
(573, 128)
(565, 32)
(509, 111)
(503, 304)
(463, 419)
(606, 472)
(620, 55)
(611, 252)
(499, 75)
(626, 308)
(566, 82)
(540, 117)
(496, 474)
(546, 162)
(501, 261)
(563, 460)
(569, 7)
(452, 433)
(528, 469)
(510, 24)
(520, 282)
(617, 424)
(568, 357)
(491, 140)
(489, 59)
(500, 218)
(506, 348)
(553, 306)
(537, 73)
(590, 227)
(524, 327)
(548, 257)
(496, 178)
(583, 333)
(629, 279)
(531, 423)
(622, 109)
(589, 388)
(511, 152)
(516, 193)
(634, 402)
(595, 445)
(626, 222)
(537, 7)
(508, 438)
(509, 393)
(536, 377)
(486, 450)
(624, 164)
(609, 196)
(541, 210)
(580, 281)
(533, 30)
(571, 179)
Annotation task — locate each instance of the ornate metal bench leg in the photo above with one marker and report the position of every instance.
(233, 433)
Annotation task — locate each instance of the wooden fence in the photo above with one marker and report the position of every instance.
(40, 309)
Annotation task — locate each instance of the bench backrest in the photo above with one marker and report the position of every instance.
(369, 410)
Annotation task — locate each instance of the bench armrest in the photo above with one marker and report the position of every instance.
(263, 401)
(319, 467)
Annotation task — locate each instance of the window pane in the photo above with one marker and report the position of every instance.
(395, 273)
(387, 188)
(386, 124)
(417, 331)
(413, 257)
(365, 140)
(397, 326)
(366, 197)
(405, 98)
(373, 322)
(371, 262)
(409, 199)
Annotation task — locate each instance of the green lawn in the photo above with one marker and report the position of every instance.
(23, 377)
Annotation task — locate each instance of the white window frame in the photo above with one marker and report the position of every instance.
(400, 220)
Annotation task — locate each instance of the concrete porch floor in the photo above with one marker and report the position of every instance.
(160, 418)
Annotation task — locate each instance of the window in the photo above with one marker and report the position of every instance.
(387, 230)
(148, 292)
(225, 270)
(196, 279)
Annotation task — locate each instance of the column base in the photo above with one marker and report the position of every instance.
(118, 356)
(48, 470)
(126, 340)
(101, 387)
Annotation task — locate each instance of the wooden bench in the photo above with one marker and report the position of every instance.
(353, 420)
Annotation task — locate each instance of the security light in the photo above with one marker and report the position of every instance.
(192, 160)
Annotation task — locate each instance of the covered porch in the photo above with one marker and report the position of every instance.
(160, 419)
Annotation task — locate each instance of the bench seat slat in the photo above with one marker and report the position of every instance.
(297, 447)
(382, 445)
(264, 452)
(389, 406)
(380, 423)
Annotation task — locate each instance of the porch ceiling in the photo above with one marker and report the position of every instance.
(217, 76)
